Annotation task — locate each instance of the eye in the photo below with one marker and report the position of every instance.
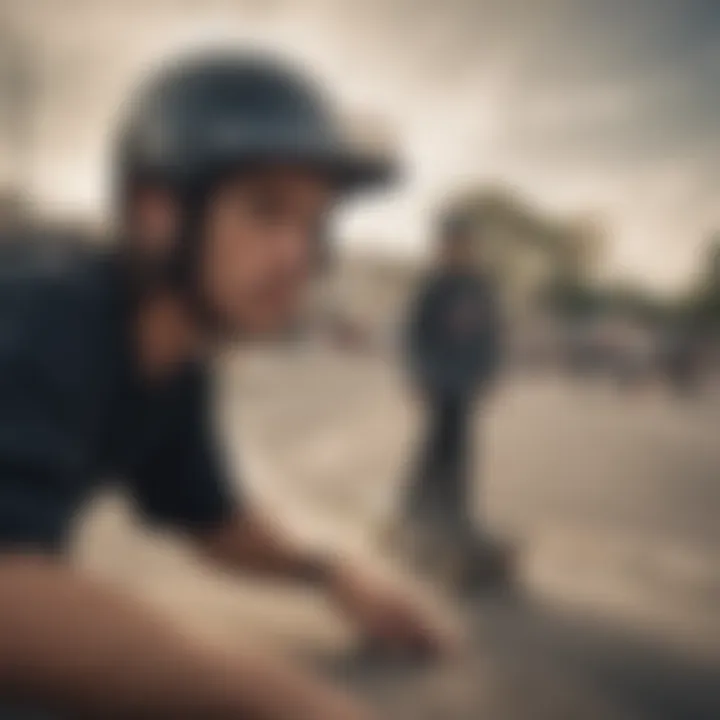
(267, 207)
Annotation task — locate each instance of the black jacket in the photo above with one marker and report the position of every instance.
(453, 334)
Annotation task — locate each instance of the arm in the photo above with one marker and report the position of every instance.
(249, 542)
(418, 354)
(388, 617)
(186, 484)
(496, 340)
(489, 341)
(77, 647)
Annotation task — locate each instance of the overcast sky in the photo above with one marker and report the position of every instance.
(607, 107)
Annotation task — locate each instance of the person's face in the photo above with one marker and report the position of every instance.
(457, 253)
(261, 245)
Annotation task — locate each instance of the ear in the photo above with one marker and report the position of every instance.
(153, 220)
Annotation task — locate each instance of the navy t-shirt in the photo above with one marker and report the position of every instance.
(73, 412)
(454, 333)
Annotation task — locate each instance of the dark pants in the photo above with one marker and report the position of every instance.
(439, 492)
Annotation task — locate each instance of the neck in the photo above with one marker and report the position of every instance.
(166, 337)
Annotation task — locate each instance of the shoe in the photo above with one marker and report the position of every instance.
(462, 561)
(484, 563)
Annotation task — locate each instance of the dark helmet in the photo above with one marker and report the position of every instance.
(221, 111)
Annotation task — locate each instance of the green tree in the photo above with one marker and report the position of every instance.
(538, 257)
(701, 307)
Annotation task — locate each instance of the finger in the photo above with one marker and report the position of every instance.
(428, 639)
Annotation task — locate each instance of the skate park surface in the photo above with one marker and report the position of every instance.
(612, 498)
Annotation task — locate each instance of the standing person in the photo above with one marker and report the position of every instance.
(228, 168)
(453, 350)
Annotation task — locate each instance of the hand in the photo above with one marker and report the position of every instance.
(387, 616)
(331, 704)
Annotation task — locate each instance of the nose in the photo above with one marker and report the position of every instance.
(293, 249)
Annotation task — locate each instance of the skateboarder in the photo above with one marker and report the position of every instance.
(227, 169)
(453, 352)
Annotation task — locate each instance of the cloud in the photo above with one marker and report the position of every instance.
(604, 105)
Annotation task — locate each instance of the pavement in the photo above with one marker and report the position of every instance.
(613, 499)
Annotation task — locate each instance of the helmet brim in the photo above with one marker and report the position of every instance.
(349, 171)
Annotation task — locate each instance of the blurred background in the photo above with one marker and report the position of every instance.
(582, 136)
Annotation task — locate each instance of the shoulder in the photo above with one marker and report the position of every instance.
(52, 276)
(430, 285)
(56, 296)
(49, 259)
